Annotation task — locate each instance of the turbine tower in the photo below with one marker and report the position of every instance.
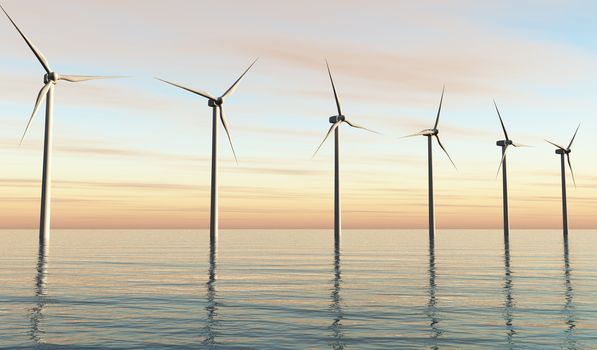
(51, 78)
(564, 152)
(336, 120)
(431, 133)
(217, 105)
(504, 144)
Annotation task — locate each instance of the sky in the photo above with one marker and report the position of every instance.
(135, 152)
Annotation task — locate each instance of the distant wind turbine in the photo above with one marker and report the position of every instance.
(217, 104)
(565, 152)
(47, 93)
(336, 120)
(504, 144)
(430, 133)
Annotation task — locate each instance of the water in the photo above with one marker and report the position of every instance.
(291, 290)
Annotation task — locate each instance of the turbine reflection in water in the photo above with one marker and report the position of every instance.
(37, 332)
(336, 304)
(509, 300)
(569, 304)
(212, 304)
(432, 310)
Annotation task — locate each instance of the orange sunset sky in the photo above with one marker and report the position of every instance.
(134, 152)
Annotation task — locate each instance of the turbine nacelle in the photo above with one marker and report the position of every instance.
(563, 151)
(503, 143)
(215, 103)
(429, 132)
(337, 118)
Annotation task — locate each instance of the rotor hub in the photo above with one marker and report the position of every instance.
(51, 77)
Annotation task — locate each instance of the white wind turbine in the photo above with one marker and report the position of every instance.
(430, 133)
(216, 103)
(336, 120)
(51, 78)
(564, 152)
(504, 144)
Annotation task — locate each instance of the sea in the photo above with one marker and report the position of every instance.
(298, 289)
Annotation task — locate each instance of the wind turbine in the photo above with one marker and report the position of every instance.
(431, 133)
(51, 78)
(564, 152)
(336, 120)
(504, 144)
(216, 104)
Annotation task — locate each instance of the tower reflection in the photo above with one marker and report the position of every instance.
(212, 304)
(507, 289)
(336, 304)
(432, 310)
(36, 318)
(569, 308)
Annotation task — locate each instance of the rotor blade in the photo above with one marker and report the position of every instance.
(519, 145)
(501, 121)
(440, 108)
(198, 92)
(570, 166)
(501, 161)
(332, 128)
(233, 86)
(78, 78)
(334, 88)
(555, 144)
(227, 132)
(573, 137)
(417, 134)
(361, 127)
(442, 146)
(36, 52)
(40, 97)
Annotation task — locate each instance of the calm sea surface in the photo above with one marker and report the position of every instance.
(268, 289)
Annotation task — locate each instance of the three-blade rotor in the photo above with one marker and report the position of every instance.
(50, 78)
(217, 102)
(567, 151)
(435, 131)
(504, 143)
(340, 118)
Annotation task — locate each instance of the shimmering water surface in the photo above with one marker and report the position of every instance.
(293, 290)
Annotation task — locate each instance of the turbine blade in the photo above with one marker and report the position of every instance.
(570, 166)
(40, 98)
(440, 108)
(233, 86)
(413, 135)
(501, 121)
(573, 137)
(36, 52)
(501, 162)
(227, 133)
(332, 128)
(519, 145)
(334, 88)
(446, 152)
(361, 127)
(555, 144)
(195, 91)
(78, 78)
